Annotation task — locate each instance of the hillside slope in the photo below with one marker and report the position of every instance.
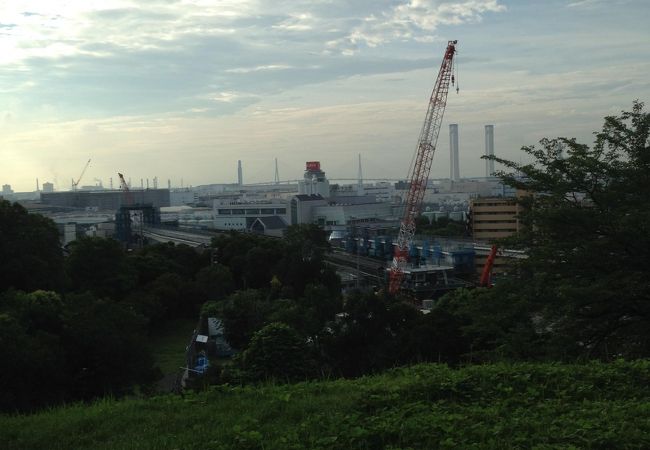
(425, 406)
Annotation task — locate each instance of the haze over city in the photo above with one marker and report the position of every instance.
(185, 89)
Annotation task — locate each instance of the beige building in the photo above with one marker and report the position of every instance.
(493, 218)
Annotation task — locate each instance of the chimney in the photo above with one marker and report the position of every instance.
(489, 149)
(240, 177)
(454, 170)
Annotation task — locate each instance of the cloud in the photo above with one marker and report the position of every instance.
(259, 68)
(413, 20)
(133, 57)
(152, 80)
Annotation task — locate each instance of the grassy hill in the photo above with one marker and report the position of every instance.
(426, 406)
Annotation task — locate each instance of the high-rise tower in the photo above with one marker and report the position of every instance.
(454, 170)
(489, 150)
(240, 177)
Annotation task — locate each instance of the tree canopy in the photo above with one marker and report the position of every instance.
(30, 252)
(586, 232)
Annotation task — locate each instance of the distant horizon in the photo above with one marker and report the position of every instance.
(185, 89)
(86, 188)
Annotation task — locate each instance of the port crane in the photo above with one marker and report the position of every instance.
(419, 172)
(128, 196)
(76, 183)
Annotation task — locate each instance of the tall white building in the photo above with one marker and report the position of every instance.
(314, 181)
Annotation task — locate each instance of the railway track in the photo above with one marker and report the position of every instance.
(368, 267)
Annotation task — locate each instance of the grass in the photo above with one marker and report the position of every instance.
(168, 344)
(599, 406)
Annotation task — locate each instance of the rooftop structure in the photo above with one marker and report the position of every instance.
(314, 181)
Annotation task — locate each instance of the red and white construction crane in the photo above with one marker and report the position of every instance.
(419, 175)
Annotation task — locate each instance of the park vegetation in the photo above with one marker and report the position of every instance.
(76, 328)
(428, 406)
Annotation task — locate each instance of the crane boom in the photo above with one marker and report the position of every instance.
(487, 268)
(419, 175)
(76, 183)
(125, 187)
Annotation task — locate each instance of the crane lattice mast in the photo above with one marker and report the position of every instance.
(419, 175)
(125, 188)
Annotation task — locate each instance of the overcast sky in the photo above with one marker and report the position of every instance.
(182, 89)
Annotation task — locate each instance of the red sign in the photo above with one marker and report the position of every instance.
(313, 166)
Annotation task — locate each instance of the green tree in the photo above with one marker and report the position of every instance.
(106, 348)
(34, 373)
(214, 282)
(443, 226)
(277, 351)
(100, 266)
(243, 313)
(587, 236)
(482, 325)
(31, 256)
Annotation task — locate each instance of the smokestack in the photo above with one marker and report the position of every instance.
(454, 170)
(38, 186)
(489, 149)
(240, 178)
(169, 184)
(360, 178)
(277, 174)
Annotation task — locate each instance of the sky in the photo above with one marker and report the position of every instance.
(183, 89)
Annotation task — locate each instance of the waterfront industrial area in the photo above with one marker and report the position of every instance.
(361, 216)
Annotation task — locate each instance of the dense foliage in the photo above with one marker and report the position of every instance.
(68, 348)
(30, 256)
(583, 289)
(76, 328)
(442, 226)
(596, 405)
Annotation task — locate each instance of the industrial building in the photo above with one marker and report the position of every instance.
(105, 200)
(239, 215)
(314, 181)
(493, 218)
(317, 202)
